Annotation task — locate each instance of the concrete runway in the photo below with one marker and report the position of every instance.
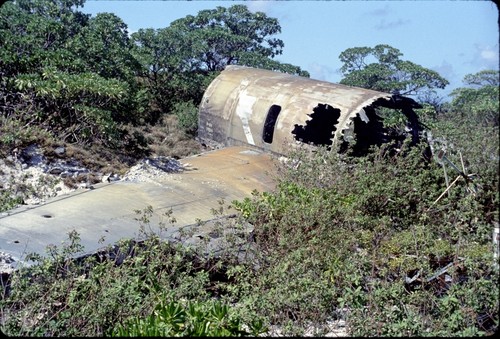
(105, 214)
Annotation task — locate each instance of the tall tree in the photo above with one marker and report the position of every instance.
(380, 68)
(180, 61)
(33, 34)
(480, 100)
(104, 47)
(169, 71)
(229, 36)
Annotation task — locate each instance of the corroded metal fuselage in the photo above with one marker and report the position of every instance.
(276, 111)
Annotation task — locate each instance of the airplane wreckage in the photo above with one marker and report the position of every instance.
(275, 111)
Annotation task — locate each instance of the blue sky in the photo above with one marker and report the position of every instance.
(454, 38)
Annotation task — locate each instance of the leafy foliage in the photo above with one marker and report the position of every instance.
(84, 80)
(187, 115)
(481, 99)
(193, 319)
(47, 45)
(103, 46)
(132, 288)
(336, 239)
(34, 33)
(180, 61)
(79, 105)
(338, 234)
(387, 72)
(227, 36)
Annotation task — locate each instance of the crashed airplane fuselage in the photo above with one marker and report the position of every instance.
(275, 111)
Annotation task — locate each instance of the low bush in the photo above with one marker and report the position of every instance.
(198, 319)
(130, 289)
(370, 236)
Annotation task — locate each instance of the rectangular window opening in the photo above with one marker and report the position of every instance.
(270, 123)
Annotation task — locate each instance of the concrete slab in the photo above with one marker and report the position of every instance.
(105, 214)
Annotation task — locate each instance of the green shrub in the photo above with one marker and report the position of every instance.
(187, 116)
(192, 319)
(9, 201)
(60, 296)
(352, 233)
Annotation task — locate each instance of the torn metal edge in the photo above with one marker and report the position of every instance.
(346, 120)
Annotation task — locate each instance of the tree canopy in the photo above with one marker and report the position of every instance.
(480, 99)
(83, 78)
(380, 68)
(179, 61)
(234, 35)
(69, 78)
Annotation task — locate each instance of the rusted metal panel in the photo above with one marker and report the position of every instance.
(273, 111)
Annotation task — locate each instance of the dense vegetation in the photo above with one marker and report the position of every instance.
(66, 77)
(370, 239)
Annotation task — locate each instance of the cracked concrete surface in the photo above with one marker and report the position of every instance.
(105, 213)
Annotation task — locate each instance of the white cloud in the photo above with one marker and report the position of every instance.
(485, 57)
(489, 54)
(258, 6)
(322, 72)
(447, 71)
(273, 9)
